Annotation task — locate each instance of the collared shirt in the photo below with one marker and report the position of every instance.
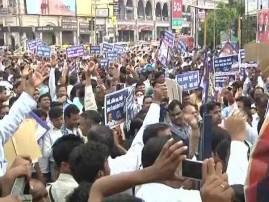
(184, 132)
(131, 161)
(67, 131)
(10, 123)
(62, 187)
(156, 192)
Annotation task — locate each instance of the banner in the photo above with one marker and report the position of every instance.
(104, 63)
(32, 45)
(111, 56)
(51, 7)
(115, 108)
(75, 51)
(84, 8)
(107, 47)
(95, 50)
(118, 48)
(43, 51)
(188, 80)
(225, 70)
(263, 25)
(163, 55)
(130, 107)
(169, 39)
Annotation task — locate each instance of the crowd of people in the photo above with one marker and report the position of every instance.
(85, 160)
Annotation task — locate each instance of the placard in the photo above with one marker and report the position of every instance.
(111, 56)
(118, 48)
(75, 51)
(43, 51)
(115, 108)
(130, 104)
(107, 47)
(225, 70)
(169, 39)
(104, 63)
(95, 50)
(188, 80)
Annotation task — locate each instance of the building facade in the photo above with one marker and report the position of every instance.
(132, 20)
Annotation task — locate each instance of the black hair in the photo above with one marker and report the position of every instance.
(262, 101)
(55, 113)
(63, 147)
(72, 79)
(152, 150)
(60, 86)
(56, 104)
(2, 89)
(81, 193)
(173, 105)
(139, 83)
(245, 100)
(46, 95)
(70, 109)
(152, 131)
(208, 107)
(102, 134)
(40, 113)
(146, 97)
(122, 198)
(87, 160)
(92, 115)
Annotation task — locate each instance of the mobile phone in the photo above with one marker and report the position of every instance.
(191, 169)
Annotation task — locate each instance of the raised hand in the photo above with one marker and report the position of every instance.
(215, 187)
(36, 78)
(169, 159)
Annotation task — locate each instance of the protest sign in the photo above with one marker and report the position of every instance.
(169, 39)
(104, 63)
(107, 47)
(118, 48)
(225, 70)
(111, 55)
(115, 107)
(32, 45)
(75, 51)
(43, 51)
(188, 80)
(163, 54)
(130, 107)
(95, 49)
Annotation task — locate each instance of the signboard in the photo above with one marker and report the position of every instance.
(118, 48)
(104, 63)
(263, 25)
(75, 51)
(169, 39)
(107, 47)
(111, 55)
(95, 49)
(162, 54)
(43, 51)
(32, 45)
(130, 107)
(188, 80)
(225, 70)
(51, 7)
(115, 108)
(177, 20)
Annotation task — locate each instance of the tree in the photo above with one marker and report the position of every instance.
(222, 19)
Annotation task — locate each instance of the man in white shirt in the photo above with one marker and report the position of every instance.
(56, 118)
(165, 191)
(21, 108)
(65, 184)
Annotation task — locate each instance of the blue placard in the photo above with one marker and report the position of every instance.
(95, 49)
(43, 51)
(111, 56)
(118, 48)
(130, 107)
(188, 80)
(225, 69)
(32, 45)
(107, 47)
(104, 63)
(115, 107)
(75, 51)
(169, 39)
